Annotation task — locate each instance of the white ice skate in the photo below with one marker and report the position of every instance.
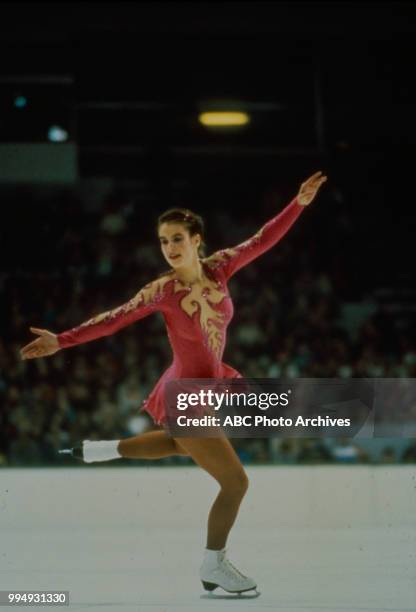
(217, 571)
(90, 451)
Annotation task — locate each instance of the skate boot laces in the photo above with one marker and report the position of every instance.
(231, 570)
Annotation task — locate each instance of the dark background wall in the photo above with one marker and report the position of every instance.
(328, 87)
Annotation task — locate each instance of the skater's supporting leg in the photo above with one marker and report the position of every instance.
(150, 445)
(218, 458)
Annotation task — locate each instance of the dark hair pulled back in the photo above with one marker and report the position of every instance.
(190, 220)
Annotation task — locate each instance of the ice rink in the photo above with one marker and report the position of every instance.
(130, 539)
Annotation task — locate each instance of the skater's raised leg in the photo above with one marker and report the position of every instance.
(150, 445)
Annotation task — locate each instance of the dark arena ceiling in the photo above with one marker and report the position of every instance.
(127, 81)
(130, 78)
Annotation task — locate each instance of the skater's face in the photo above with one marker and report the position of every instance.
(178, 246)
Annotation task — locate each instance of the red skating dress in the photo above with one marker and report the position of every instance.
(196, 316)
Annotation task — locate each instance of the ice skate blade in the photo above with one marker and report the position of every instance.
(225, 595)
(75, 453)
(211, 586)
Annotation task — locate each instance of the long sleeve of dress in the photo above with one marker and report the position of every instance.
(148, 300)
(231, 260)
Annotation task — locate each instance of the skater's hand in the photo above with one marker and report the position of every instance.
(46, 344)
(309, 188)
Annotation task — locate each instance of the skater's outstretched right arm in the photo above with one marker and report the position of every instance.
(148, 300)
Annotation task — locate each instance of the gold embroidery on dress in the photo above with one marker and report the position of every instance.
(216, 259)
(251, 241)
(211, 321)
(150, 293)
(219, 257)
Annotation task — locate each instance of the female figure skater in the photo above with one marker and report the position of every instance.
(197, 308)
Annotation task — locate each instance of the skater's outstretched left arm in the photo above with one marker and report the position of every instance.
(232, 260)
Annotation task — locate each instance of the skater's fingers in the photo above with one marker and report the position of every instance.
(315, 181)
(39, 332)
(314, 176)
(35, 348)
(33, 353)
(31, 345)
(32, 348)
(311, 179)
(30, 355)
(39, 350)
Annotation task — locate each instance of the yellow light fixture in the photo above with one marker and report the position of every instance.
(223, 118)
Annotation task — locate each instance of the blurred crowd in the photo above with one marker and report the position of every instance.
(292, 319)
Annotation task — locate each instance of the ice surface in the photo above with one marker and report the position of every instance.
(130, 539)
